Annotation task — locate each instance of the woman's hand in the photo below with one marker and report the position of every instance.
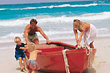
(78, 43)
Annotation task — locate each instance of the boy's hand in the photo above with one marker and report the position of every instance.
(39, 51)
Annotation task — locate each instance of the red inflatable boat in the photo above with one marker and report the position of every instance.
(52, 60)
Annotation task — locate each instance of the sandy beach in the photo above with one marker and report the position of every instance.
(101, 64)
(55, 18)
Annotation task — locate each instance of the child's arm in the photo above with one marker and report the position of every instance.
(39, 51)
(23, 48)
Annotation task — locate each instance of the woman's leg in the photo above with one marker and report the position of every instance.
(25, 65)
(91, 44)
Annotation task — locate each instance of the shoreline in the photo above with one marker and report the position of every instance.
(67, 40)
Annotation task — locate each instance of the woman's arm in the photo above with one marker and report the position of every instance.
(76, 34)
(80, 38)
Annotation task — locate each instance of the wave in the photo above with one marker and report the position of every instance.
(9, 37)
(51, 19)
(12, 35)
(53, 6)
(53, 35)
(2, 9)
(103, 29)
(57, 35)
(14, 22)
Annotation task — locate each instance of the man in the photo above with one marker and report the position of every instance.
(30, 32)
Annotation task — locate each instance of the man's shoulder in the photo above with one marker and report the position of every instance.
(38, 27)
(27, 27)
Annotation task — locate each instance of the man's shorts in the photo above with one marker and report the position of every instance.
(32, 37)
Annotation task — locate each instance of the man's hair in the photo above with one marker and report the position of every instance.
(17, 39)
(33, 20)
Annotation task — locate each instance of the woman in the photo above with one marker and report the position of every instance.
(88, 30)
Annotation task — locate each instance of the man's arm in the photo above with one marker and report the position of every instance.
(26, 34)
(43, 34)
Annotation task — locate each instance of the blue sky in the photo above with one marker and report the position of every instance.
(33, 1)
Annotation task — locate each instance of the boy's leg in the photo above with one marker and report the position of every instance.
(20, 63)
(25, 65)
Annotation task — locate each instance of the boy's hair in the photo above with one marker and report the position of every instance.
(17, 39)
(31, 46)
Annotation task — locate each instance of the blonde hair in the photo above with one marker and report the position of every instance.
(16, 39)
(80, 23)
(31, 46)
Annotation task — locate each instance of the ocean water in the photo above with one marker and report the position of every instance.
(56, 19)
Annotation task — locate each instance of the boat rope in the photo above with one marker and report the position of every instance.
(88, 53)
(66, 60)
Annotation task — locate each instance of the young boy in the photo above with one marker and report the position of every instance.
(19, 53)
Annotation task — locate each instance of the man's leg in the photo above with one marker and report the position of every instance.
(36, 41)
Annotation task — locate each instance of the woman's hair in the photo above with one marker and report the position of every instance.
(31, 46)
(33, 20)
(16, 39)
(80, 23)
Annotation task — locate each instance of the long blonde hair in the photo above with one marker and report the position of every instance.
(80, 24)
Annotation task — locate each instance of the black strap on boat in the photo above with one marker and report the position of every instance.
(58, 44)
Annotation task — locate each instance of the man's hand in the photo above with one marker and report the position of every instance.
(48, 41)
